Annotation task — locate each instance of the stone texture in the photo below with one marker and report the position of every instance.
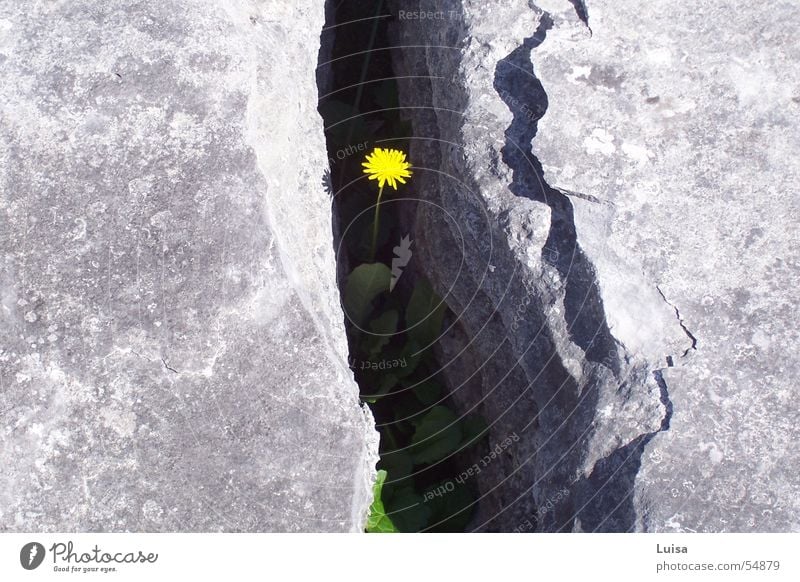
(172, 353)
(683, 121)
(622, 269)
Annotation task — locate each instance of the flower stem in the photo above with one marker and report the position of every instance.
(375, 225)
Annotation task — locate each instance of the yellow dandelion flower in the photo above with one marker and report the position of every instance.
(387, 167)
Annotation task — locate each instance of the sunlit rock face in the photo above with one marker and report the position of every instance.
(172, 354)
(616, 232)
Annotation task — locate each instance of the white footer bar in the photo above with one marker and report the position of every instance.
(406, 558)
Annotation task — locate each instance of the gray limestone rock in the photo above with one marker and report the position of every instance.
(622, 269)
(172, 351)
(683, 120)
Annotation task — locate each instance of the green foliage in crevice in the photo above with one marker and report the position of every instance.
(392, 330)
(392, 338)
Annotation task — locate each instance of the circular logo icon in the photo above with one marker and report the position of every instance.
(31, 555)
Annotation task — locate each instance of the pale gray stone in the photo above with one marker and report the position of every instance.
(172, 351)
(682, 119)
(629, 307)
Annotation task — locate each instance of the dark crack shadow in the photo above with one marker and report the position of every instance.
(612, 480)
(609, 488)
(580, 9)
(519, 88)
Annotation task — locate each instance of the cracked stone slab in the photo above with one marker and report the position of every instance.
(683, 120)
(172, 352)
(623, 179)
(532, 349)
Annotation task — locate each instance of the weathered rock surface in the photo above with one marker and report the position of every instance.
(684, 121)
(172, 354)
(627, 309)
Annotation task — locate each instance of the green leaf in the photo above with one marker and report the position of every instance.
(386, 323)
(364, 284)
(428, 392)
(402, 362)
(378, 521)
(408, 413)
(452, 509)
(381, 327)
(398, 464)
(438, 434)
(409, 512)
(424, 314)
